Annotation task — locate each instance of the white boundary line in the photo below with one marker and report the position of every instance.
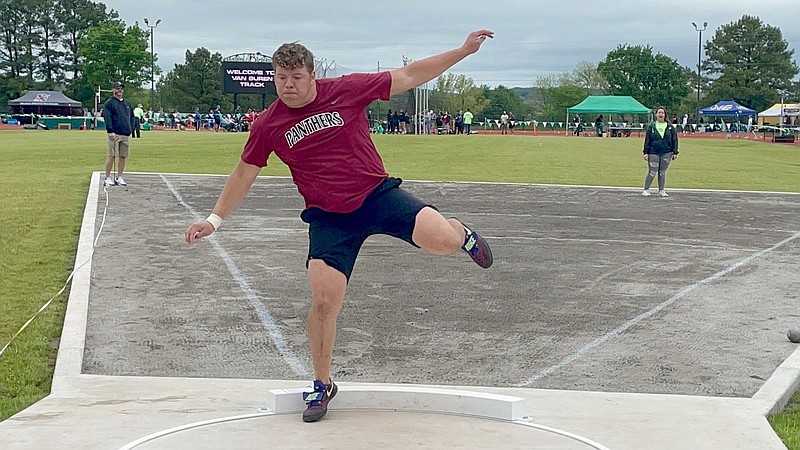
(521, 422)
(621, 188)
(781, 385)
(69, 362)
(266, 318)
(634, 321)
(774, 393)
(189, 426)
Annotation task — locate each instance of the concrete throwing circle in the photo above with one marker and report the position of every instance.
(363, 429)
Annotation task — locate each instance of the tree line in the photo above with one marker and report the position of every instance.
(746, 61)
(42, 46)
(77, 45)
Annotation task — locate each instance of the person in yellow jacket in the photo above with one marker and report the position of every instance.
(468, 122)
(138, 119)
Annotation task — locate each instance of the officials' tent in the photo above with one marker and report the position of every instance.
(727, 108)
(772, 115)
(46, 103)
(609, 104)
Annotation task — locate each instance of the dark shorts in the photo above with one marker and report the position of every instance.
(336, 238)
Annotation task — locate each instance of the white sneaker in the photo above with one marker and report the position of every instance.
(108, 182)
(121, 182)
(645, 193)
(663, 193)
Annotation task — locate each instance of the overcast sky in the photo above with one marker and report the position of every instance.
(532, 38)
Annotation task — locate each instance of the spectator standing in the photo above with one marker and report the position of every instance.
(138, 117)
(598, 125)
(504, 123)
(427, 121)
(403, 118)
(217, 114)
(468, 122)
(198, 119)
(395, 122)
(660, 148)
(118, 115)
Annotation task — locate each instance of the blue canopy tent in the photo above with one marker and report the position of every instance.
(730, 109)
(727, 108)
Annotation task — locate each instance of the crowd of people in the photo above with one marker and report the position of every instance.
(427, 122)
(214, 119)
(396, 121)
(686, 124)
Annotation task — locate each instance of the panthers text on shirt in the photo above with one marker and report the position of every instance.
(311, 125)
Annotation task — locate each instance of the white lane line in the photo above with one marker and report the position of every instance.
(611, 242)
(677, 296)
(167, 432)
(567, 434)
(263, 314)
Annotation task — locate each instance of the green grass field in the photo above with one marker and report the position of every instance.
(44, 178)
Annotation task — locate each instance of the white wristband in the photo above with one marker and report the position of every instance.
(214, 220)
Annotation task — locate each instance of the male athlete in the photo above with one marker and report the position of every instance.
(319, 129)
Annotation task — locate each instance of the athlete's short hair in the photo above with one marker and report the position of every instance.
(292, 55)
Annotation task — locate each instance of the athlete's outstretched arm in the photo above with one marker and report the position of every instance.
(424, 70)
(235, 189)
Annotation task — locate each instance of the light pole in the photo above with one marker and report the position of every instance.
(699, 54)
(783, 99)
(152, 63)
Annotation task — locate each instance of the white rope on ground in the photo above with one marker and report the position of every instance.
(66, 283)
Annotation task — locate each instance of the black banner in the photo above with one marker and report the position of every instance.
(248, 77)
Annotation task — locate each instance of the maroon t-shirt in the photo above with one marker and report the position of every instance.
(327, 143)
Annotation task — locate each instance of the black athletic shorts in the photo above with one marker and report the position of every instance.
(336, 238)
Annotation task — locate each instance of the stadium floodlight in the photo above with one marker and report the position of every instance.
(699, 55)
(152, 63)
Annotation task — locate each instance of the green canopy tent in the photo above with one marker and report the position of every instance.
(607, 104)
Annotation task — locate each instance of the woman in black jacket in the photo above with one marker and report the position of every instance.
(660, 148)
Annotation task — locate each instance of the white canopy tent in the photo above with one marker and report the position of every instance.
(772, 115)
